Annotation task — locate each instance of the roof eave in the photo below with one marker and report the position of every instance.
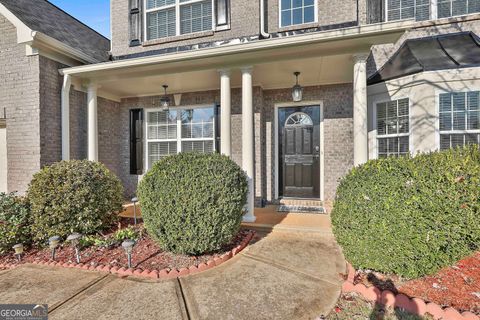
(272, 43)
(35, 39)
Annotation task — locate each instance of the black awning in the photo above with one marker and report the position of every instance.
(448, 51)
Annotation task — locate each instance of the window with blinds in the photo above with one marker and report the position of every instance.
(459, 119)
(451, 8)
(293, 12)
(183, 130)
(166, 18)
(407, 9)
(393, 128)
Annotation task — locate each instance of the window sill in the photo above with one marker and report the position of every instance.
(178, 38)
(299, 27)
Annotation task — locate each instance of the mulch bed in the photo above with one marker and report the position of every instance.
(146, 255)
(457, 286)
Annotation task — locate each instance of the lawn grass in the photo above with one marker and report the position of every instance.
(352, 307)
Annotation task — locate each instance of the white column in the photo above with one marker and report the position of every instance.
(65, 110)
(360, 115)
(92, 122)
(248, 157)
(226, 113)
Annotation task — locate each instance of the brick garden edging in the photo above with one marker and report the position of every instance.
(413, 305)
(166, 273)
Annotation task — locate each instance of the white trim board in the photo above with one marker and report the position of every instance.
(312, 103)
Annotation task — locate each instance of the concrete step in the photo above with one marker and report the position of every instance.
(268, 219)
(300, 202)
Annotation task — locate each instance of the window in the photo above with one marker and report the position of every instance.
(459, 119)
(294, 12)
(393, 128)
(182, 130)
(408, 9)
(166, 18)
(451, 8)
(425, 9)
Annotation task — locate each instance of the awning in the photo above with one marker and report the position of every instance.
(449, 51)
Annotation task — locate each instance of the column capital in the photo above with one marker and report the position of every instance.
(360, 57)
(225, 72)
(246, 69)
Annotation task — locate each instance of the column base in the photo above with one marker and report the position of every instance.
(249, 218)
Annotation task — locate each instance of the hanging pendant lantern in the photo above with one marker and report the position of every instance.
(297, 90)
(165, 100)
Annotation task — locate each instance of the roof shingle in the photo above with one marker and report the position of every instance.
(44, 17)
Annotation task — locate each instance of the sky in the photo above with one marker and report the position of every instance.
(94, 13)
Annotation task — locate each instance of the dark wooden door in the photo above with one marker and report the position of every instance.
(301, 155)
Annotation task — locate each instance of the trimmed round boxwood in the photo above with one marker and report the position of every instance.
(14, 222)
(192, 203)
(410, 216)
(73, 196)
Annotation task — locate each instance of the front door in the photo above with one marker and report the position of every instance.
(299, 147)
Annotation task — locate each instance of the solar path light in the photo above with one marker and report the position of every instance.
(74, 238)
(127, 245)
(18, 251)
(53, 243)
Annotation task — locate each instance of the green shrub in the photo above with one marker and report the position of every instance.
(127, 233)
(14, 222)
(192, 203)
(73, 196)
(410, 216)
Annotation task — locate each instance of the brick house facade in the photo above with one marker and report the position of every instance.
(346, 43)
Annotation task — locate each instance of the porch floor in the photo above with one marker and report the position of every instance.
(268, 219)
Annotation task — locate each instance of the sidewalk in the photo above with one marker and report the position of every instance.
(281, 276)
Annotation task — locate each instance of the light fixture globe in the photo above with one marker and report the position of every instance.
(74, 238)
(165, 100)
(18, 251)
(53, 242)
(127, 245)
(18, 248)
(297, 90)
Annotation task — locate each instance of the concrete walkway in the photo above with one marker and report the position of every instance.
(281, 276)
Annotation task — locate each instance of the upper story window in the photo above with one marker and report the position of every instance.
(167, 18)
(408, 9)
(459, 119)
(428, 9)
(451, 8)
(293, 12)
(393, 128)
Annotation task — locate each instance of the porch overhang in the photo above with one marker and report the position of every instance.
(323, 58)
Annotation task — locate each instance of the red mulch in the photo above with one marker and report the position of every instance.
(457, 286)
(146, 255)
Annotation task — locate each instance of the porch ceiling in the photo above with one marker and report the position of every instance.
(314, 71)
(323, 58)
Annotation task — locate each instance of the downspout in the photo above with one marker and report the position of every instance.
(263, 33)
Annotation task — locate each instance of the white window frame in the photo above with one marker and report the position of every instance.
(432, 6)
(177, 6)
(315, 3)
(433, 12)
(375, 125)
(451, 132)
(179, 138)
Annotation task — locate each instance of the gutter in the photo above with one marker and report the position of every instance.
(264, 34)
(42, 40)
(272, 43)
